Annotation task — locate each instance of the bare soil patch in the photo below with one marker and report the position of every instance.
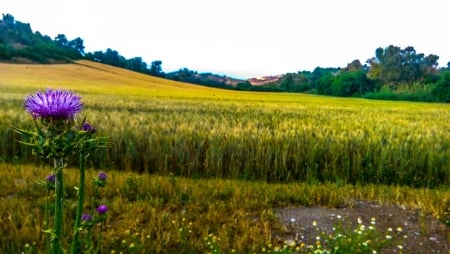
(419, 233)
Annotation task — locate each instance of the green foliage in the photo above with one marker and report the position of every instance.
(415, 92)
(6, 52)
(19, 42)
(361, 239)
(193, 77)
(112, 57)
(156, 69)
(396, 65)
(246, 86)
(351, 84)
(364, 238)
(299, 82)
(442, 88)
(324, 83)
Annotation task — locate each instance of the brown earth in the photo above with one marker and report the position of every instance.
(416, 232)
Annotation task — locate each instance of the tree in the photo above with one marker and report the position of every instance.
(287, 82)
(351, 84)
(302, 82)
(77, 45)
(442, 89)
(324, 83)
(322, 78)
(355, 65)
(156, 69)
(244, 86)
(393, 65)
(429, 67)
(8, 20)
(296, 82)
(61, 40)
(112, 57)
(136, 64)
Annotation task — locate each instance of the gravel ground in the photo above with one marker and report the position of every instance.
(418, 233)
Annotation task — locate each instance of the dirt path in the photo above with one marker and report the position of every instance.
(418, 233)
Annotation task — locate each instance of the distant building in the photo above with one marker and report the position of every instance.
(264, 80)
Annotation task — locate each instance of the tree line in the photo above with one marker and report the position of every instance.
(393, 73)
(18, 43)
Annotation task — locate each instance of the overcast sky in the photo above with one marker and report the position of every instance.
(243, 38)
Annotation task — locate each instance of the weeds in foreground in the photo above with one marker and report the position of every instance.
(344, 239)
(181, 215)
(57, 136)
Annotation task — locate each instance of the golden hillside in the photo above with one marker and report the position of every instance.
(89, 77)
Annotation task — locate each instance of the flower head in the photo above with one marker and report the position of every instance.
(50, 178)
(102, 176)
(86, 217)
(89, 128)
(53, 104)
(50, 182)
(101, 209)
(100, 181)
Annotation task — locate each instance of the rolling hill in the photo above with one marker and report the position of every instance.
(89, 77)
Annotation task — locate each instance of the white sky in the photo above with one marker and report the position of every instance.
(243, 38)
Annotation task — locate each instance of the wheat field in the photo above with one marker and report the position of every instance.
(166, 127)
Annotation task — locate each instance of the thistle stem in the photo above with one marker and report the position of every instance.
(59, 203)
(47, 223)
(76, 229)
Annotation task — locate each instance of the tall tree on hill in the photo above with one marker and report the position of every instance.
(112, 57)
(77, 45)
(136, 64)
(394, 66)
(156, 69)
(355, 65)
(61, 40)
(8, 20)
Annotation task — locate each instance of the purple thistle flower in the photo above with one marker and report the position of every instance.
(102, 176)
(86, 217)
(87, 127)
(101, 209)
(53, 104)
(50, 178)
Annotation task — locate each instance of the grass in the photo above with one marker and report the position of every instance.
(169, 214)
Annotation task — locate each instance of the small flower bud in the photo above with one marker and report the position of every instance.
(50, 182)
(100, 181)
(50, 178)
(102, 176)
(101, 209)
(89, 128)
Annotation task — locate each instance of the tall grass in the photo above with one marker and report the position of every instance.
(164, 127)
